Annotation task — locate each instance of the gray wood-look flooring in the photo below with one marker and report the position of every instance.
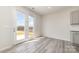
(44, 45)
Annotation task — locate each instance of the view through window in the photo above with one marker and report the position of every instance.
(20, 33)
(31, 27)
(20, 26)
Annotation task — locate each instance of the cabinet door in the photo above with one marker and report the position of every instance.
(75, 37)
(75, 18)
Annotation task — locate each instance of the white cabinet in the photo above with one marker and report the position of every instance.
(75, 37)
(75, 17)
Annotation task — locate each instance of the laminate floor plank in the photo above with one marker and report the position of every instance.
(44, 45)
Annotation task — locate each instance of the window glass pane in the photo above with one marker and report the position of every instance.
(20, 26)
(31, 27)
(31, 22)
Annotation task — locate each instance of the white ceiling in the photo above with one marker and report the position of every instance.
(43, 10)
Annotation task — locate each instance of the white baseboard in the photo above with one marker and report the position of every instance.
(5, 48)
(57, 38)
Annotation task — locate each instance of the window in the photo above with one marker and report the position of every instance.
(20, 26)
(31, 27)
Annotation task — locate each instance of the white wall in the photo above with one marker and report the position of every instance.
(37, 26)
(6, 19)
(57, 25)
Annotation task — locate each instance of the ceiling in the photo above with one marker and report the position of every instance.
(43, 10)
